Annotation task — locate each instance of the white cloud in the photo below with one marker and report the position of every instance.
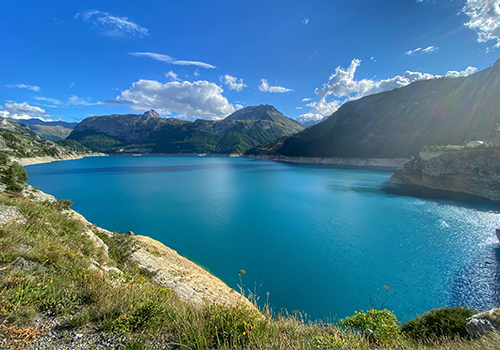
(343, 87)
(112, 26)
(299, 107)
(50, 100)
(421, 51)
(71, 85)
(484, 19)
(196, 73)
(24, 86)
(78, 101)
(22, 111)
(171, 60)
(464, 73)
(309, 117)
(264, 87)
(305, 21)
(189, 99)
(172, 76)
(232, 83)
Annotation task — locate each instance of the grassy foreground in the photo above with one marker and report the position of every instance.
(50, 270)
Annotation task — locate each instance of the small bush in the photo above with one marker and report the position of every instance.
(439, 323)
(380, 326)
(14, 177)
(63, 204)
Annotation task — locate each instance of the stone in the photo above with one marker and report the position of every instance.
(484, 323)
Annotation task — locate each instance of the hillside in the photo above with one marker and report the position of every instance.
(52, 133)
(149, 133)
(20, 142)
(399, 123)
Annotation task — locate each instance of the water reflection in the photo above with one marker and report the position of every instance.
(477, 285)
(148, 169)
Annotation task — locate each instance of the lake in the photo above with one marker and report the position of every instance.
(317, 239)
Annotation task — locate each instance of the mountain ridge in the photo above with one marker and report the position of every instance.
(150, 133)
(400, 122)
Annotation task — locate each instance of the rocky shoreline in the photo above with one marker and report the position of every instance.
(471, 171)
(50, 159)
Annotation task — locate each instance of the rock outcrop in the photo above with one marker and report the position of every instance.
(473, 171)
(187, 280)
(484, 323)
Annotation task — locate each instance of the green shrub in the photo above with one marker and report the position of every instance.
(63, 204)
(14, 177)
(439, 323)
(380, 326)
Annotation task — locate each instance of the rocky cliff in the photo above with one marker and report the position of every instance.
(473, 171)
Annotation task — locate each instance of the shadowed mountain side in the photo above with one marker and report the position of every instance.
(149, 133)
(399, 123)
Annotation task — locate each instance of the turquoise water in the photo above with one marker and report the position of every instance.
(321, 240)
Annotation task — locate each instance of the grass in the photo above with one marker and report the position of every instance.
(47, 266)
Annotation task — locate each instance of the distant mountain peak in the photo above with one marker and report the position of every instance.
(152, 113)
(260, 112)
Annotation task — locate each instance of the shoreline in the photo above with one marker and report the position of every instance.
(385, 163)
(51, 159)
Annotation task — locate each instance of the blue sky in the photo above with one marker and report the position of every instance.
(191, 59)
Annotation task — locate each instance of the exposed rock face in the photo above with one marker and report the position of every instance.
(189, 281)
(472, 171)
(484, 322)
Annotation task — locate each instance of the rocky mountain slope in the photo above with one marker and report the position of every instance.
(399, 123)
(149, 133)
(52, 133)
(473, 171)
(20, 142)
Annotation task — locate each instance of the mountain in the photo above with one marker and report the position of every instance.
(262, 112)
(37, 121)
(18, 141)
(49, 132)
(149, 133)
(53, 131)
(399, 123)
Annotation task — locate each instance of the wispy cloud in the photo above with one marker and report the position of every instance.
(78, 101)
(50, 100)
(113, 26)
(264, 87)
(484, 19)
(421, 51)
(25, 86)
(305, 21)
(172, 76)
(232, 82)
(171, 60)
